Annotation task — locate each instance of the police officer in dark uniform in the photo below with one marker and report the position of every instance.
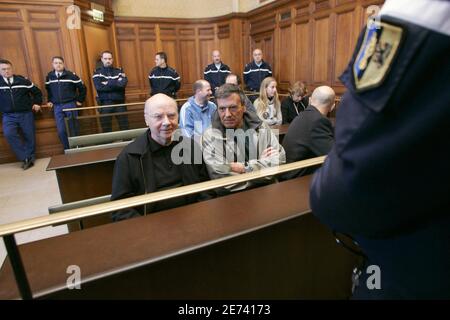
(65, 90)
(162, 78)
(110, 83)
(18, 98)
(386, 181)
(255, 72)
(216, 72)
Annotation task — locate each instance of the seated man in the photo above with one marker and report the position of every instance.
(197, 112)
(233, 79)
(238, 142)
(155, 161)
(311, 133)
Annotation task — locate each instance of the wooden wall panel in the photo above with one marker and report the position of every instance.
(128, 51)
(321, 43)
(15, 49)
(323, 34)
(189, 63)
(303, 54)
(206, 47)
(228, 52)
(98, 39)
(285, 71)
(345, 41)
(188, 46)
(170, 47)
(148, 52)
(42, 38)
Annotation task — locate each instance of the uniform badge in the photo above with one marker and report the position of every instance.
(377, 52)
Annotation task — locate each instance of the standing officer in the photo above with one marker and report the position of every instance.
(65, 90)
(110, 83)
(216, 72)
(386, 181)
(162, 78)
(255, 72)
(18, 98)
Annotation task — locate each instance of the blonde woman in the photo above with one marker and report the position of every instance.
(268, 105)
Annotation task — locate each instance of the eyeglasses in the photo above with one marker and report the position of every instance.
(160, 117)
(232, 109)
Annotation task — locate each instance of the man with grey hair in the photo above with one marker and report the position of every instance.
(238, 142)
(197, 112)
(156, 161)
(310, 134)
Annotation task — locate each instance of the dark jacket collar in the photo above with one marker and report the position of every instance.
(263, 64)
(14, 76)
(53, 73)
(213, 66)
(315, 110)
(144, 143)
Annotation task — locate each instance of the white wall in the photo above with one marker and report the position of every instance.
(183, 8)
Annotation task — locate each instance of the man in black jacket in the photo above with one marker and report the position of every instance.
(162, 78)
(65, 90)
(158, 160)
(255, 72)
(18, 98)
(311, 133)
(110, 84)
(216, 72)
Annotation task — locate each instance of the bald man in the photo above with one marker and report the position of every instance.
(196, 114)
(310, 134)
(158, 160)
(255, 72)
(216, 72)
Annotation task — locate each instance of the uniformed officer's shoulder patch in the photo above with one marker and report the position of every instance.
(376, 54)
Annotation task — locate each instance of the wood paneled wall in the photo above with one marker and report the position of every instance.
(188, 47)
(309, 40)
(31, 34)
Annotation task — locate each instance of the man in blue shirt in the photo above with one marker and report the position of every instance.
(197, 112)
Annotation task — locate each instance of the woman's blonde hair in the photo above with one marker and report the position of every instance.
(262, 103)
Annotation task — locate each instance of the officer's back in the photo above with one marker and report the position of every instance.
(386, 180)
